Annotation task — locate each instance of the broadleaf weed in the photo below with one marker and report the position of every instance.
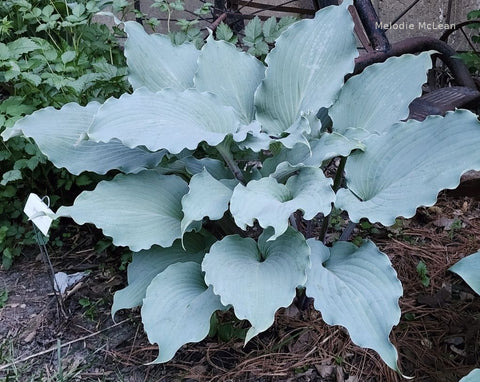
(50, 54)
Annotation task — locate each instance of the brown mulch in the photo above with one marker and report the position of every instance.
(438, 336)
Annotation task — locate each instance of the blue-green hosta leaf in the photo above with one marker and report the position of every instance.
(328, 146)
(189, 166)
(257, 279)
(297, 132)
(136, 210)
(284, 170)
(58, 132)
(469, 269)
(378, 101)
(306, 68)
(215, 167)
(253, 128)
(207, 197)
(231, 74)
(408, 165)
(256, 141)
(473, 376)
(169, 119)
(146, 265)
(252, 137)
(177, 308)
(153, 61)
(358, 289)
(271, 203)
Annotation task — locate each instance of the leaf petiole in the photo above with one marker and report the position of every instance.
(224, 150)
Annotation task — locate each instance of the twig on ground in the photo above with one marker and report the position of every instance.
(6, 366)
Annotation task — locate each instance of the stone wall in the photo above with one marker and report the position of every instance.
(426, 18)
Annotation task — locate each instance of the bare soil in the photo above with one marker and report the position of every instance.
(438, 336)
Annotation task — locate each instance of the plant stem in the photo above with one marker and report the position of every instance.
(224, 150)
(324, 228)
(293, 221)
(301, 301)
(339, 174)
(336, 185)
(13, 363)
(168, 20)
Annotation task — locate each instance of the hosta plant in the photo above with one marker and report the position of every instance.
(220, 161)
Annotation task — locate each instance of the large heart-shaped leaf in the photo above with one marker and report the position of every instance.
(271, 203)
(378, 101)
(306, 69)
(207, 197)
(408, 165)
(257, 279)
(177, 308)
(358, 289)
(146, 265)
(169, 119)
(231, 74)
(137, 210)
(469, 269)
(58, 135)
(153, 61)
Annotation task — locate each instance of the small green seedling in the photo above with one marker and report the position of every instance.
(422, 272)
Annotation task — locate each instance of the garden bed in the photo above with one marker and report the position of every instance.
(437, 337)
